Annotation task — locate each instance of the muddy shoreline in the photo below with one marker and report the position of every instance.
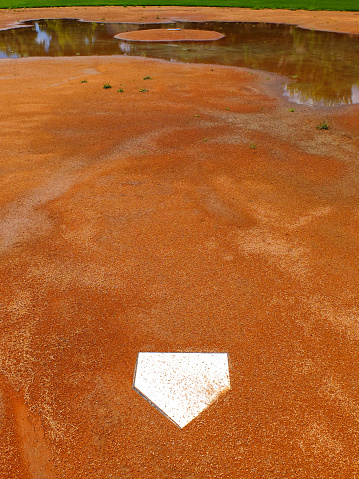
(341, 22)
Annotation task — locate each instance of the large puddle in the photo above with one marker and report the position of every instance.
(321, 68)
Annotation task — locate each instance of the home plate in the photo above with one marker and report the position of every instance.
(181, 385)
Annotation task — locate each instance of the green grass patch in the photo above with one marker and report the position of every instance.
(323, 125)
(351, 5)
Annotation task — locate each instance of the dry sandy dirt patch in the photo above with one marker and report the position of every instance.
(170, 35)
(144, 221)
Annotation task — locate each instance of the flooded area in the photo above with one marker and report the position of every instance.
(320, 68)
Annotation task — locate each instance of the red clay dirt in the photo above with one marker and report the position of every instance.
(170, 35)
(147, 221)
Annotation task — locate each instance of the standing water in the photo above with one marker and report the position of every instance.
(320, 67)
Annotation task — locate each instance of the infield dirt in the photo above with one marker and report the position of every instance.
(199, 215)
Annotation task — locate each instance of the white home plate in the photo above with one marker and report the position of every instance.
(181, 385)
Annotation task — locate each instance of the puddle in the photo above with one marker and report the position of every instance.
(321, 68)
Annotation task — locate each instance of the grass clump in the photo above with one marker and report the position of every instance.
(106, 86)
(323, 125)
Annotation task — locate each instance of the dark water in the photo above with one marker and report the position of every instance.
(321, 67)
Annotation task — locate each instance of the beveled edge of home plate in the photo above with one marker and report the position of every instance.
(173, 352)
(156, 407)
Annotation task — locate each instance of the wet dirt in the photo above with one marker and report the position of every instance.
(345, 22)
(190, 212)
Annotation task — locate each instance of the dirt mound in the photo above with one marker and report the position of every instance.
(170, 35)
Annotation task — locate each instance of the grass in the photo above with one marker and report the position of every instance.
(351, 5)
(323, 125)
(107, 86)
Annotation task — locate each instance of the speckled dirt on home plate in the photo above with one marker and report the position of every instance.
(199, 215)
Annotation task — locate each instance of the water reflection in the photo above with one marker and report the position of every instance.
(355, 93)
(321, 67)
(42, 38)
(125, 47)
